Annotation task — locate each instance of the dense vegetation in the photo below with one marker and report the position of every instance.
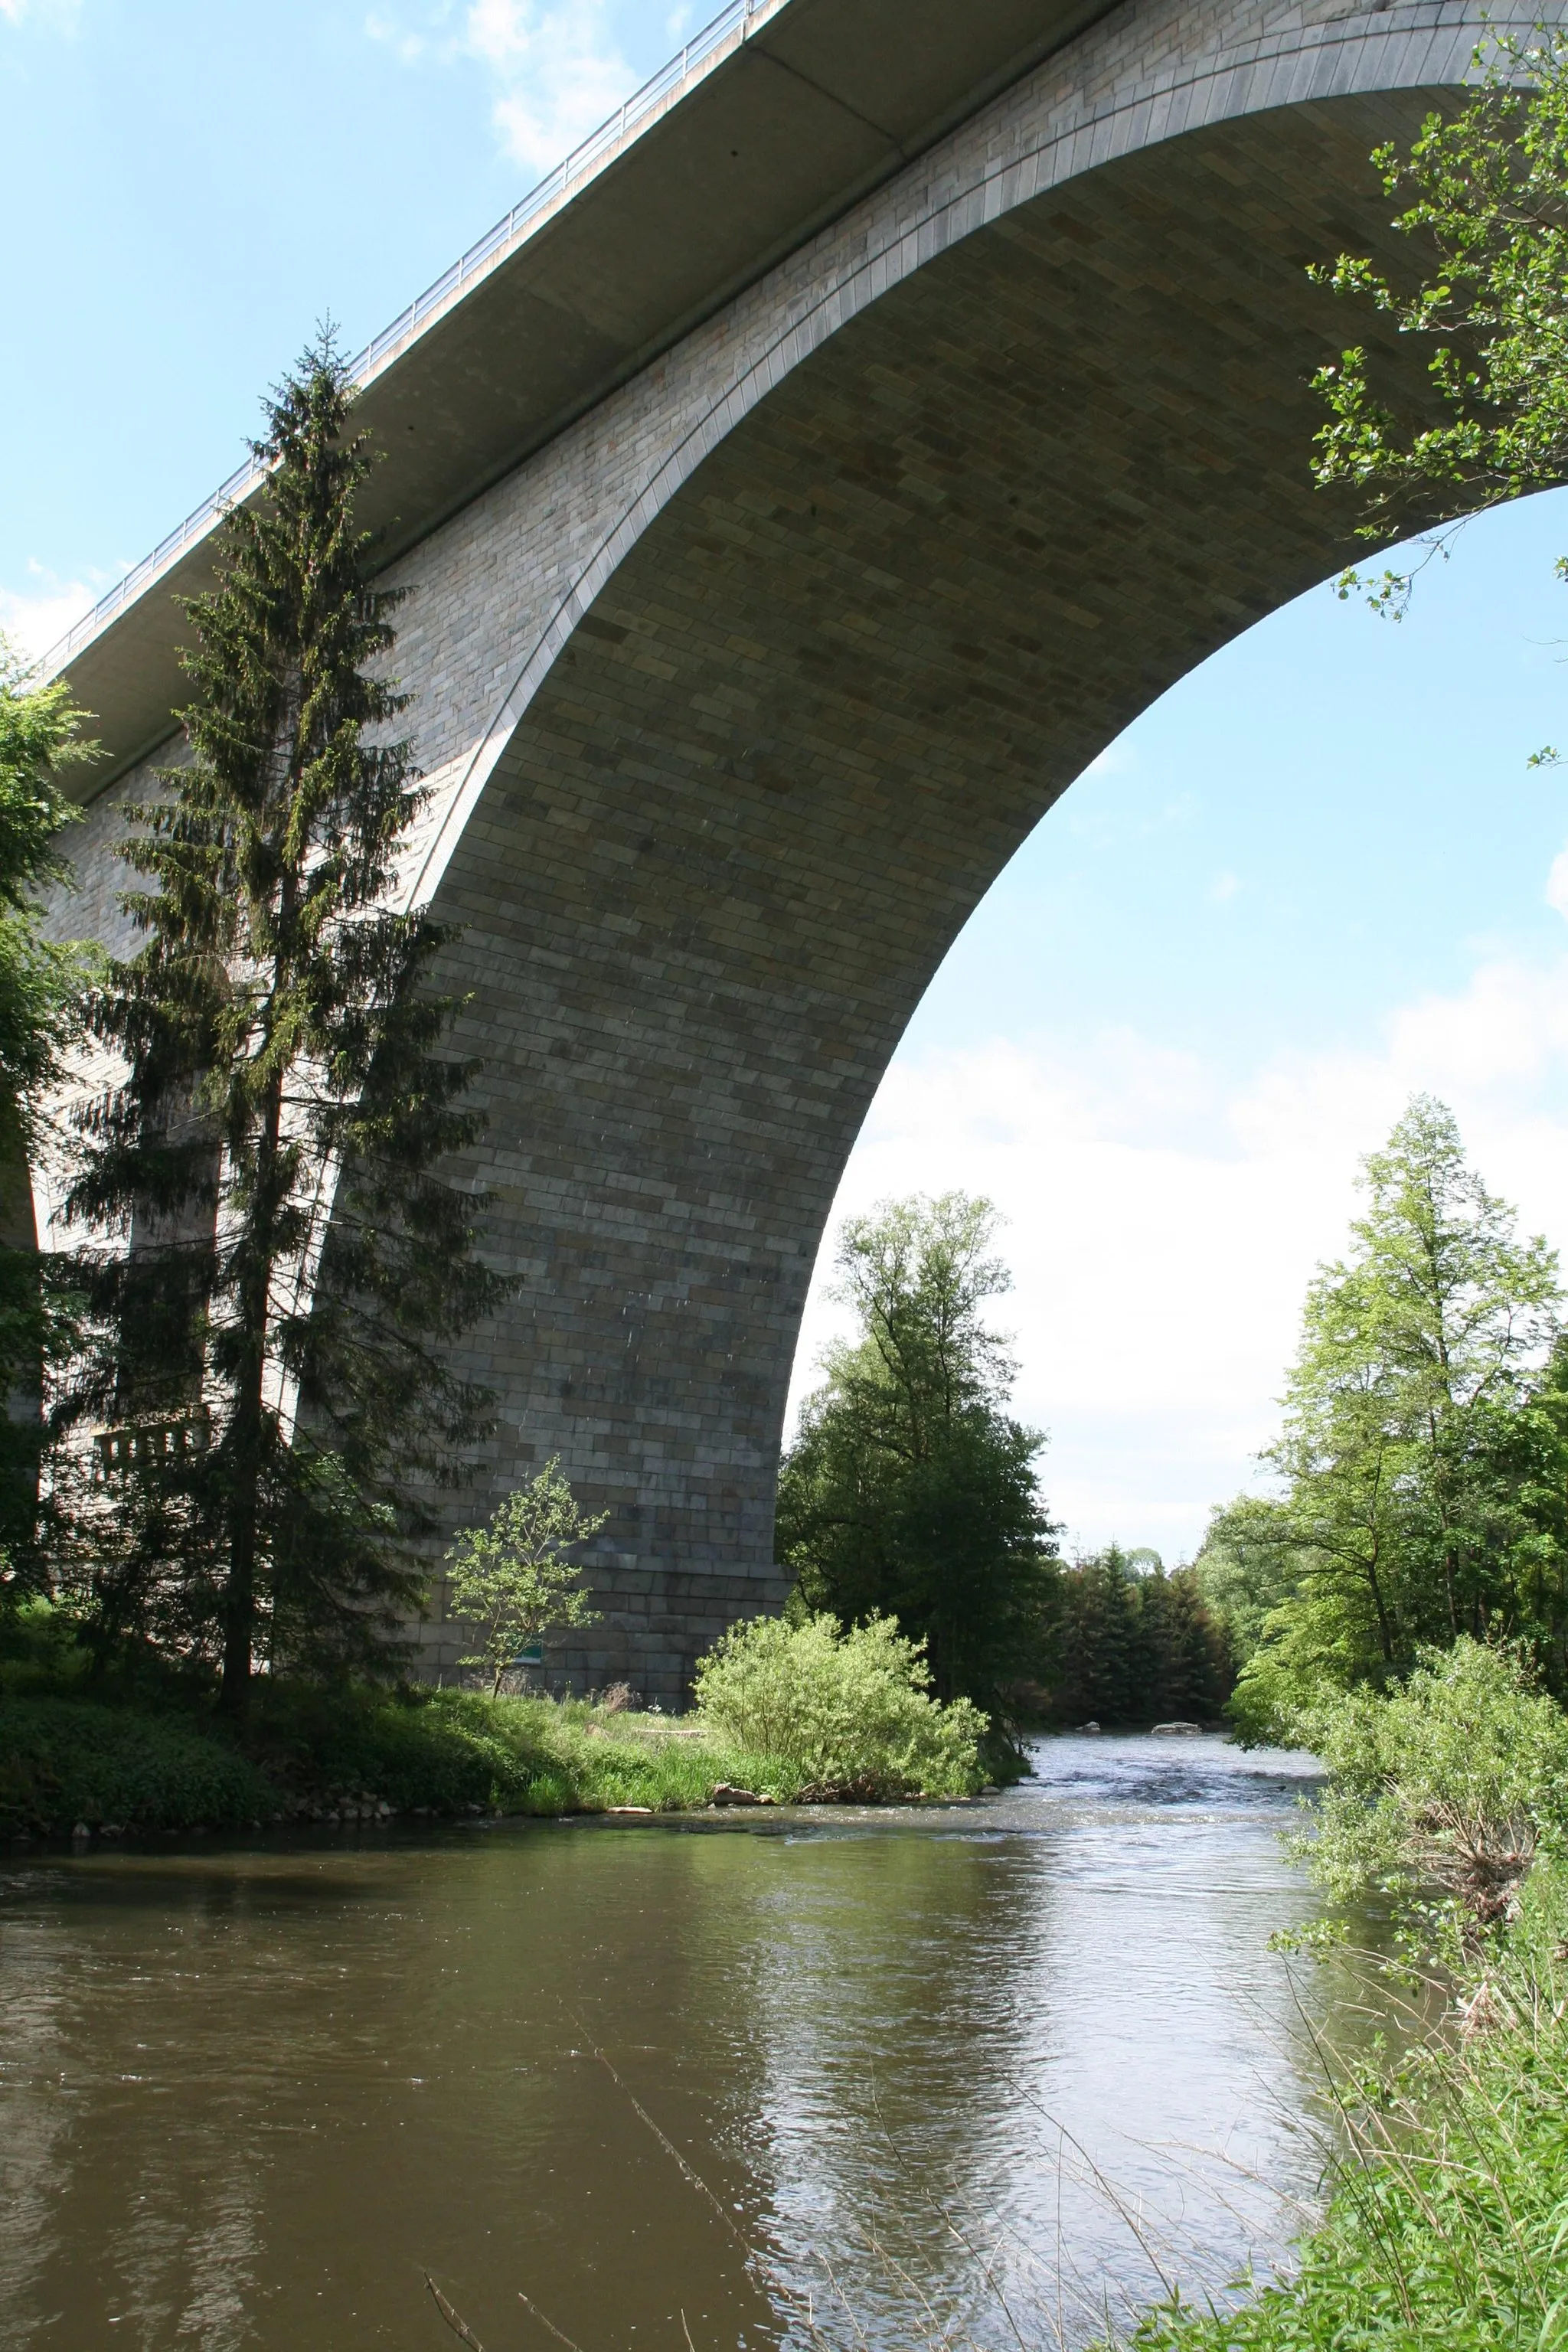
(910, 1490)
(851, 1711)
(41, 990)
(1422, 1471)
(1132, 1645)
(785, 1715)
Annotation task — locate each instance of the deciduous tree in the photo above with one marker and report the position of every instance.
(511, 1576)
(910, 1491)
(42, 986)
(1484, 201)
(1419, 1461)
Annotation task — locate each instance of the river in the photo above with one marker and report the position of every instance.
(973, 2071)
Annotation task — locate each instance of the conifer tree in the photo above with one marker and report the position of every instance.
(275, 1259)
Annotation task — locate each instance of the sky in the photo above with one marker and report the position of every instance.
(1317, 875)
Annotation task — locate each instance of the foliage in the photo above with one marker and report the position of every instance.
(40, 742)
(1136, 1647)
(41, 987)
(1453, 1780)
(290, 1261)
(511, 1578)
(1422, 1459)
(1243, 1573)
(1483, 198)
(910, 1490)
(152, 1758)
(64, 1761)
(48, 1651)
(848, 1711)
(1446, 2224)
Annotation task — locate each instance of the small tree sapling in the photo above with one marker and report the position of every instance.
(511, 1576)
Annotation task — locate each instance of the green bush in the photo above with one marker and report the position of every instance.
(1447, 2223)
(1450, 1781)
(65, 1760)
(845, 1712)
(787, 1711)
(40, 1652)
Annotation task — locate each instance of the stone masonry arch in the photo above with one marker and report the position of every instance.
(738, 693)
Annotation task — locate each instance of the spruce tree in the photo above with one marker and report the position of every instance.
(1100, 1676)
(274, 1257)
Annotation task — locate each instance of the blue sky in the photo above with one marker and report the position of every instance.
(1317, 874)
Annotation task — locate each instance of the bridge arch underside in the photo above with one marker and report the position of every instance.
(830, 691)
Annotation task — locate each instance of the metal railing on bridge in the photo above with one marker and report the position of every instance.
(735, 20)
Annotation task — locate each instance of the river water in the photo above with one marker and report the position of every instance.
(969, 2072)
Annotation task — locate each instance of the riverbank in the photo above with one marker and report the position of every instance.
(1447, 2223)
(787, 1713)
(69, 1762)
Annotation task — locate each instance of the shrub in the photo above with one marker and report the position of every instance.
(64, 1761)
(849, 1712)
(1452, 1781)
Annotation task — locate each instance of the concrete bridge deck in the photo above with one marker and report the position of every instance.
(795, 504)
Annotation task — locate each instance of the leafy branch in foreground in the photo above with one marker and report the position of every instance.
(1485, 198)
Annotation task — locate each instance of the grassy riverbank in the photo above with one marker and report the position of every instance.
(313, 1755)
(135, 1744)
(1448, 2223)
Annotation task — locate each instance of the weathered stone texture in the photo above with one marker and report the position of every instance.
(740, 694)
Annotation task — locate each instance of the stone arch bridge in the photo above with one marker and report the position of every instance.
(799, 490)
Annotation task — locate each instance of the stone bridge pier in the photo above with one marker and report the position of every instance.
(795, 499)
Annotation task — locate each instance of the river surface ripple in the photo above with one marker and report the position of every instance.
(973, 2072)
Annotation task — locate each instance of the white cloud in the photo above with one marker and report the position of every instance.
(562, 71)
(407, 46)
(557, 71)
(1162, 1230)
(60, 15)
(1557, 883)
(1224, 887)
(35, 618)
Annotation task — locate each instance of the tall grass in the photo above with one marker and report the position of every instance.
(1448, 2222)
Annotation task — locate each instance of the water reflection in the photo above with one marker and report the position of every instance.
(249, 2094)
